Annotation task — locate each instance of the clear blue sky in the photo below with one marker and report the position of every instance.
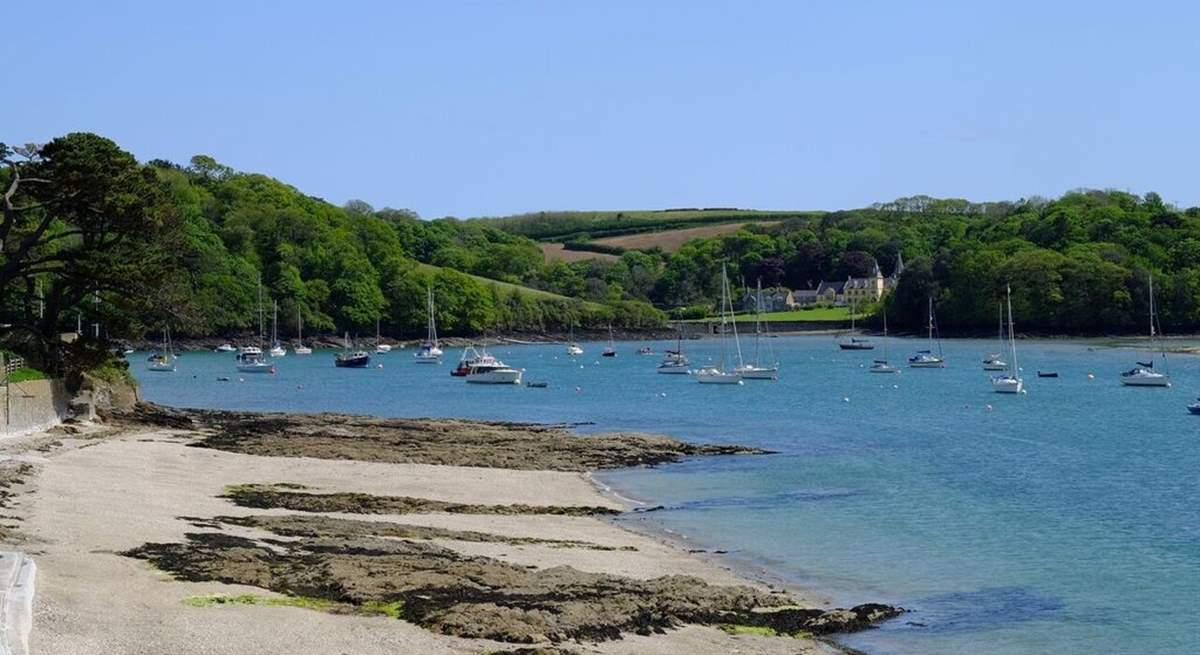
(488, 108)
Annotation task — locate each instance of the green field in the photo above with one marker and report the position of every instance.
(508, 286)
(583, 225)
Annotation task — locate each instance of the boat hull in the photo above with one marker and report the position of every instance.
(1163, 381)
(498, 376)
(673, 370)
(161, 368)
(758, 373)
(1194, 408)
(1008, 385)
(256, 368)
(302, 350)
(427, 359)
(352, 362)
(856, 346)
(717, 377)
(995, 367)
(884, 368)
(930, 364)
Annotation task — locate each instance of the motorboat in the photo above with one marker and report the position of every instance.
(225, 348)
(574, 350)
(1194, 407)
(486, 369)
(468, 359)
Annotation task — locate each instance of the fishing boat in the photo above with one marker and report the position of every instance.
(718, 374)
(277, 349)
(468, 358)
(350, 358)
(1144, 375)
(381, 348)
(163, 361)
(760, 369)
(429, 352)
(882, 365)
(855, 343)
(300, 348)
(1011, 382)
(611, 349)
(225, 348)
(486, 369)
(994, 362)
(250, 358)
(926, 358)
(674, 362)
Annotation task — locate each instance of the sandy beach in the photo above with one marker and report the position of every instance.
(86, 502)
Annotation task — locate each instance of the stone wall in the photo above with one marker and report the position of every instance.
(31, 406)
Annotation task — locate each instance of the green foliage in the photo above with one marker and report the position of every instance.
(217, 600)
(26, 374)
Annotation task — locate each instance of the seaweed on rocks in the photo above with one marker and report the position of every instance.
(273, 496)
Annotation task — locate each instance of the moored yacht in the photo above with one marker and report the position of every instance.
(674, 362)
(882, 365)
(994, 362)
(855, 343)
(486, 369)
(429, 352)
(761, 369)
(163, 361)
(300, 348)
(1012, 382)
(926, 358)
(718, 374)
(1144, 375)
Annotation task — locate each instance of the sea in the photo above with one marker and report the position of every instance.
(1064, 520)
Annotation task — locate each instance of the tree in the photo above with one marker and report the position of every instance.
(84, 221)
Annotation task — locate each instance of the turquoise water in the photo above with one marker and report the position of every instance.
(1062, 521)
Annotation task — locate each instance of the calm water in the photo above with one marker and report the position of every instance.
(1063, 521)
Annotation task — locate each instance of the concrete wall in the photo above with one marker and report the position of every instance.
(705, 328)
(31, 406)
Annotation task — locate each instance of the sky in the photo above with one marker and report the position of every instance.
(492, 108)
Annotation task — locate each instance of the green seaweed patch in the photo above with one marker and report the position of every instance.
(216, 600)
(394, 609)
(740, 629)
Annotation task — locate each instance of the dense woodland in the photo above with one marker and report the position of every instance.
(91, 234)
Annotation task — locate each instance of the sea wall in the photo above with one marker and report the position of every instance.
(31, 406)
(704, 328)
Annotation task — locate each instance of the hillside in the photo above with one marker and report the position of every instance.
(584, 225)
(672, 239)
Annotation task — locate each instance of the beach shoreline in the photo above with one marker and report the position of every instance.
(102, 493)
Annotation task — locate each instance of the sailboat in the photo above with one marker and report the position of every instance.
(760, 370)
(380, 347)
(611, 349)
(718, 374)
(573, 348)
(881, 365)
(163, 361)
(993, 362)
(300, 348)
(854, 343)
(277, 349)
(250, 358)
(1144, 375)
(350, 358)
(926, 358)
(1012, 382)
(674, 362)
(429, 353)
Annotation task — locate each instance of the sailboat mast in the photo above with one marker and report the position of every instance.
(758, 300)
(736, 344)
(1012, 335)
(260, 312)
(931, 323)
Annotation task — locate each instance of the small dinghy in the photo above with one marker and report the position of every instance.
(538, 385)
(1047, 374)
(1195, 407)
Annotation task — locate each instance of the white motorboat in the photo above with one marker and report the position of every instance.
(163, 361)
(1011, 382)
(573, 348)
(882, 365)
(719, 374)
(429, 352)
(1144, 374)
(926, 358)
(761, 369)
(225, 348)
(486, 369)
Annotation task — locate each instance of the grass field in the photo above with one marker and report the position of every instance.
(671, 240)
(507, 286)
(584, 225)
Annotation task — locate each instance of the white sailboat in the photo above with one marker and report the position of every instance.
(380, 347)
(926, 358)
(573, 348)
(1011, 382)
(300, 348)
(429, 353)
(611, 349)
(882, 365)
(674, 362)
(277, 349)
(994, 362)
(163, 361)
(1144, 375)
(760, 370)
(718, 374)
(250, 358)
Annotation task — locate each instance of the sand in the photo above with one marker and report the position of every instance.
(91, 499)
